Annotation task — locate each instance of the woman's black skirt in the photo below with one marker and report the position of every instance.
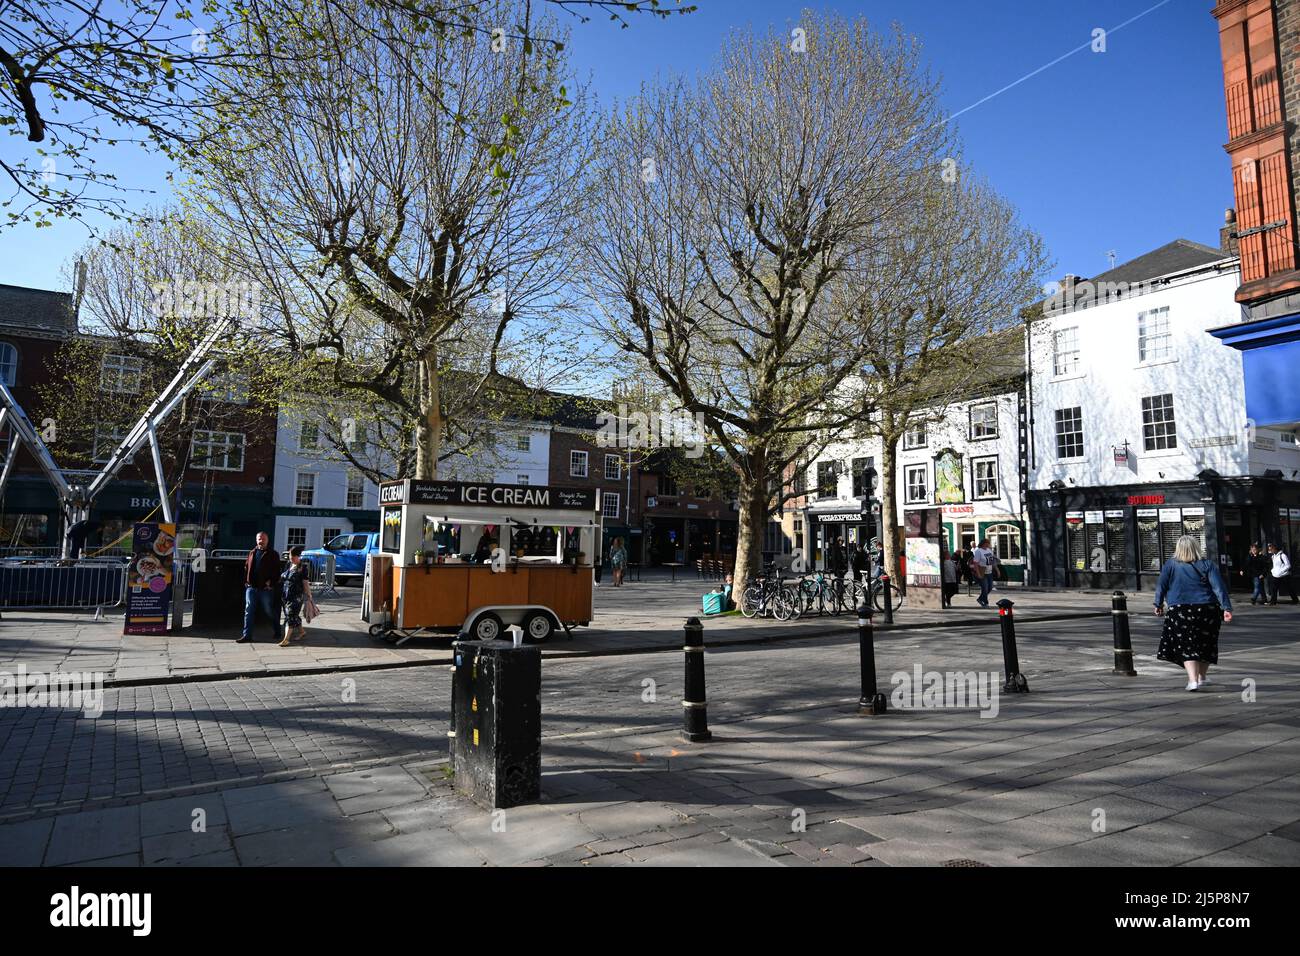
(1191, 633)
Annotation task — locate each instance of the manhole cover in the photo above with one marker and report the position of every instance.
(963, 863)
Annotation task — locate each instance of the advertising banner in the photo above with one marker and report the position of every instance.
(149, 578)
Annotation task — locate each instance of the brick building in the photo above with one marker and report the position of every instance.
(1260, 46)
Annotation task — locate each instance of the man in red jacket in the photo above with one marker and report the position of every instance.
(261, 579)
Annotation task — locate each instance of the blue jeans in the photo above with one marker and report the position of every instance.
(986, 585)
(1258, 593)
(255, 598)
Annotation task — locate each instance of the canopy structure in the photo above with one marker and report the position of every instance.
(76, 498)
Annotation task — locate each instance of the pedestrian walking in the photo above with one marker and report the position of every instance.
(982, 559)
(951, 579)
(618, 561)
(261, 576)
(1194, 602)
(1258, 567)
(835, 560)
(858, 561)
(295, 593)
(1279, 574)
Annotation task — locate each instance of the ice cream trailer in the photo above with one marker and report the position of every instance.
(478, 558)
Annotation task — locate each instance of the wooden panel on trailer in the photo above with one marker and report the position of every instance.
(503, 587)
(436, 596)
(567, 593)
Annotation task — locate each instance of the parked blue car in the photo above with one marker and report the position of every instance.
(349, 552)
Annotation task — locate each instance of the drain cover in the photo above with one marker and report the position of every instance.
(963, 863)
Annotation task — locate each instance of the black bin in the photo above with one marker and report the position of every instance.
(496, 701)
(219, 594)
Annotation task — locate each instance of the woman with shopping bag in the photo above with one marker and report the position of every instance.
(295, 592)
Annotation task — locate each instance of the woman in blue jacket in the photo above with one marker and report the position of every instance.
(1194, 602)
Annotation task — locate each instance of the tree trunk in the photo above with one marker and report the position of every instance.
(889, 505)
(428, 435)
(753, 502)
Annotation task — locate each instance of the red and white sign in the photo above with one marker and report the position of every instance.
(958, 510)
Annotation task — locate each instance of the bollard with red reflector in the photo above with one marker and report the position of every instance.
(1123, 648)
(889, 599)
(872, 702)
(1015, 683)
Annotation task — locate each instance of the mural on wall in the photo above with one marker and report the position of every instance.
(948, 478)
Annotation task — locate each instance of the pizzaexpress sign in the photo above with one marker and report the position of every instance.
(416, 492)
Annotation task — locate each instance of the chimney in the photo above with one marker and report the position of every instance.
(1069, 290)
(1227, 239)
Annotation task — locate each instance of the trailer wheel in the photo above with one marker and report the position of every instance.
(487, 627)
(538, 627)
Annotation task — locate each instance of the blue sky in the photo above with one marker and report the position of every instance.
(1120, 150)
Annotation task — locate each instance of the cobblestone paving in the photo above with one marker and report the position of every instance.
(791, 778)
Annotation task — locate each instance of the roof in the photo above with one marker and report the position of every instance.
(36, 311)
(1172, 257)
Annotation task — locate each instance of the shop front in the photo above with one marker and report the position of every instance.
(685, 540)
(964, 527)
(1120, 537)
(846, 522)
(212, 518)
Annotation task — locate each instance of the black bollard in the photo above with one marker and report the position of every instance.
(1015, 683)
(694, 705)
(889, 599)
(1123, 648)
(872, 702)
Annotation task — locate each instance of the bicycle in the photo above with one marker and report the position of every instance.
(876, 591)
(769, 597)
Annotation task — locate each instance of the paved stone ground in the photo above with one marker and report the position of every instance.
(639, 616)
(285, 771)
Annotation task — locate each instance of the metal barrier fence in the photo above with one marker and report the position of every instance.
(56, 585)
(320, 571)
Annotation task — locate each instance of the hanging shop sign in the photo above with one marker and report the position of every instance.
(149, 578)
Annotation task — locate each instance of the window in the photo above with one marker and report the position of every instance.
(798, 527)
(827, 479)
(521, 479)
(296, 536)
(916, 480)
(354, 434)
(309, 437)
(1158, 431)
(1288, 440)
(229, 387)
(523, 443)
(859, 466)
(1004, 539)
(1069, 432)
(356, 490)
(304, 490)
(329, 534)
(609, 505)
(218, 451)
(914, 437)
(1065, 351)
(1154, 340)
(8, 364)
(578, 464)
(668, 486)
(121, 373)
(800, 479)
(106, 442)
(984, 471)
(613, 468)
(983, 421)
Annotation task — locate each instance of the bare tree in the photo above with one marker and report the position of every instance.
(80, 79)
(739, 221)
(398, 245)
